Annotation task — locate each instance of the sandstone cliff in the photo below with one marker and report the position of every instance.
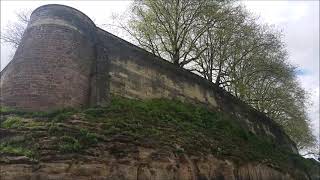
(148, 164)
(131, 139)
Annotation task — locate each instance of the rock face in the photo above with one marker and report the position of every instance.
(148, 165)
(142, 140)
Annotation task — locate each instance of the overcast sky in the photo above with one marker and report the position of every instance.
(298, 20)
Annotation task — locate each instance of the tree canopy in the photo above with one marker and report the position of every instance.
(224, 43)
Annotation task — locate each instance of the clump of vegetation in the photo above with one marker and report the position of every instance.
(32, 124)
(87, 138)
(94, 113)
(15, 122)
(18, 150)
(53, 129)
(17, 145)
(78, 142)
(69, 144)
(12, 122)
(63, 116)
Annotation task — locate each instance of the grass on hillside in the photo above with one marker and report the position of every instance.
(158, 123)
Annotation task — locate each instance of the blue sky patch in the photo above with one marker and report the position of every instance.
(302, 72)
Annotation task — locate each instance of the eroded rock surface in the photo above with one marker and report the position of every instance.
(147, 164)
(141, 140)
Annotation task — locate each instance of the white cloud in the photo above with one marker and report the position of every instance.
(276, 12)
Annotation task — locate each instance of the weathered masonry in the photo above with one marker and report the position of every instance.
(64, 60)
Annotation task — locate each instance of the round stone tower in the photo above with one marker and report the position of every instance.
(52, 66)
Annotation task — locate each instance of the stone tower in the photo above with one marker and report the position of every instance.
(53, 64)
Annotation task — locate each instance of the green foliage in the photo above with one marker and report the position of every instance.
(18, 122)
(12, 122)
(21, 145)
(170, 122)
(16, 149)
(60, 117)
(86, 138)
(94, 113)
(77, 142)
(7, 110)
(69, 144)
(4, 109)
(34, 124)
(53, 129)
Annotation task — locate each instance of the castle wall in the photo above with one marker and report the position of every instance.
(51, 67)
(135, 73)
(64, 60)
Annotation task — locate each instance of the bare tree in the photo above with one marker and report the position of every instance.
(13, 32)
(164, 27)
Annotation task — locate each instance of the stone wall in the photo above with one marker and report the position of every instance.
(135, 73)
